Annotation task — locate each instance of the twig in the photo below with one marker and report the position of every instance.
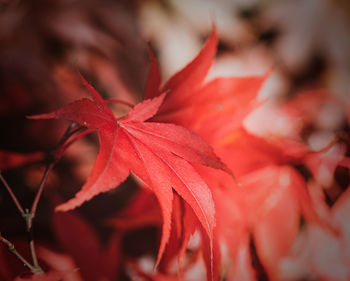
(69, 143)
(29, 215)
(40, 190)
(13, 196)
(68, 133)
(13, 250)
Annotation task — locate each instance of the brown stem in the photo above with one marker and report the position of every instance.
(30, 215)
(13, 196)
(69, 132)
(63, 143)
(29, 224)
(28, 219)
(13, 250)
(69, 143)
(40, 190)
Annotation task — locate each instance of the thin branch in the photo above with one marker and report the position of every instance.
(30, 215)
(13, 250)
(78, 137)
(68, 133)
(120, 101)
(62, 144)
(40, 190)
(13, 196)
(32, 245)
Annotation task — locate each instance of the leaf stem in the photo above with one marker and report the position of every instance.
(71, 130)
(64, 147)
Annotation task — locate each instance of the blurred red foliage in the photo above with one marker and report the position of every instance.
(209, 197)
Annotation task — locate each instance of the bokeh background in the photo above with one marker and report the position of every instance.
(304, 43)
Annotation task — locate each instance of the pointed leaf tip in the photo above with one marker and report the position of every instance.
(145, 110)
(154, 77)
(99, 101)
(194, 73)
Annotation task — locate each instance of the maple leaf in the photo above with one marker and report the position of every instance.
(186, 80)
(161, 155)
(185, 224)
(211, 109)
(279, 194)
(182, 216)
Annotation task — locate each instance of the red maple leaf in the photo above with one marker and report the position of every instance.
(211, 109)
(161, 155)
(270, 200)
(186, 81)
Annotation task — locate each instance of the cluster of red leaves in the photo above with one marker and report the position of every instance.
(186, 143)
